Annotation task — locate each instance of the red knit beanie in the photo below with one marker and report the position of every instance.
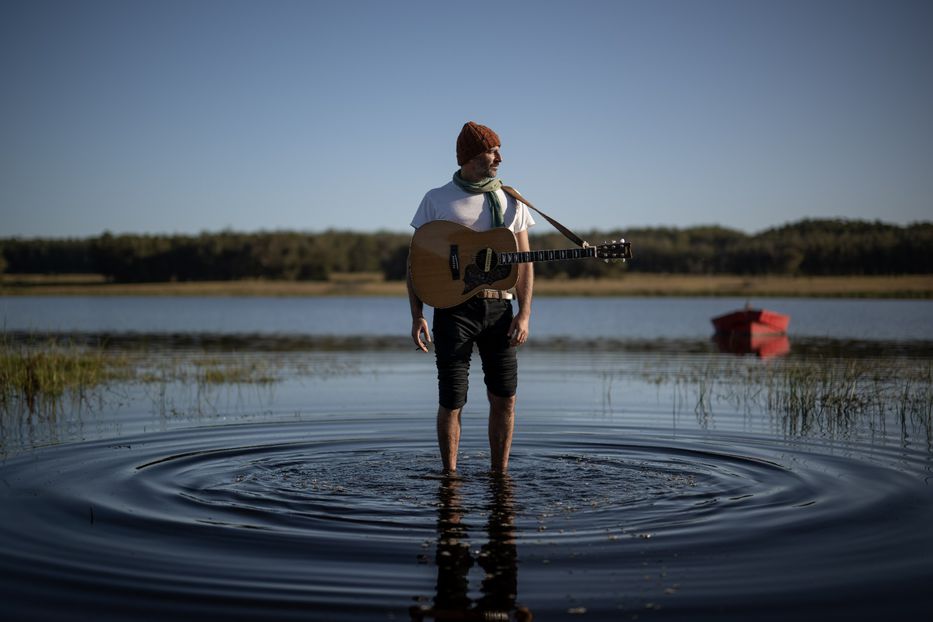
(474, 139)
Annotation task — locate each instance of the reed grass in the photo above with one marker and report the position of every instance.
(31, 374)
(238, 371)
(40, 375)
(208, 370)
(815, 395)
(805, 394)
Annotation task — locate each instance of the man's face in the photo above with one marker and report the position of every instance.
(484, 165)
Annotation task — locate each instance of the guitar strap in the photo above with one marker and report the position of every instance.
(573, 237)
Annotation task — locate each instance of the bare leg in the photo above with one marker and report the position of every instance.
(448, 436)
(501, 423)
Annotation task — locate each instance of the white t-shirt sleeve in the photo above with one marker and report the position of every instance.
(523, 219)
(425, 213)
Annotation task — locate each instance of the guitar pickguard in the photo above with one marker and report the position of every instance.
(474, 276)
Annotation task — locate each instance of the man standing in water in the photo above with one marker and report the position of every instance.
(474, 198)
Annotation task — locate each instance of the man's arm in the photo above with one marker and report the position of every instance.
(419, 325)
(518, 331)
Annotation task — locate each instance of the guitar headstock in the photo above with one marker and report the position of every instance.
(615, 250)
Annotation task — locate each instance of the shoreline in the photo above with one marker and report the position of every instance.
(640, 285)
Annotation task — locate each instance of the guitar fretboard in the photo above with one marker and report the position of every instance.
(555, 255)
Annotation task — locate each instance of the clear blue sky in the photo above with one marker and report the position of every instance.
(165, 116)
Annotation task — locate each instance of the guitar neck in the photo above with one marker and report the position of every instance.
(554, 255)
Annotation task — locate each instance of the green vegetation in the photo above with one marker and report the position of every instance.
(32, 375)
(805, 395)
(216, 370)
(805, 248)
(220, 256)
(818, 394)
(815, 395)
(40, 376)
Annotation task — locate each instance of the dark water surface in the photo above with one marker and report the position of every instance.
(645, 483)
(345, 518)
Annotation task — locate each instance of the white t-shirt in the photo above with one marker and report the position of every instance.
(450, 202)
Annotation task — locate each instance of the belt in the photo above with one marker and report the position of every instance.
(494, 293)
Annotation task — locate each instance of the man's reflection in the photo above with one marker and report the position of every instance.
(452, 557)
(498, 557)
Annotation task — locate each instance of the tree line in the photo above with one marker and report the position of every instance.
(804, 248)
(827, 247)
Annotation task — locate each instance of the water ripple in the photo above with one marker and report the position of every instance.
(348, 519)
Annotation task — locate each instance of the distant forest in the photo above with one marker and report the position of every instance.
(805, 248)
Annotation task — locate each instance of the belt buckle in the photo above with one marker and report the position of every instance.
(495, 294)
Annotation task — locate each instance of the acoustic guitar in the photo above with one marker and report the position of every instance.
(450, 263)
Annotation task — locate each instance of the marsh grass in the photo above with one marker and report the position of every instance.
(803, 395)
(208, 370)
(34, 375)
(832, 396)
(824, 395)
(815, 395)
(237, 371)
(40, 375)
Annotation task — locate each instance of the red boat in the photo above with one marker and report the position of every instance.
(763, 346)
(748, 321)
(753, 331)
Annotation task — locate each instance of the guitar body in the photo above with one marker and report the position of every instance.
(450, 263)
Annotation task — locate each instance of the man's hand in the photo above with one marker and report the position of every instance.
(518, 331)
(419, 326)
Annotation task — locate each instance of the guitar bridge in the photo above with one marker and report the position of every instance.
(455, 262)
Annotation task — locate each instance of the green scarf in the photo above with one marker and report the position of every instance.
(488, 187)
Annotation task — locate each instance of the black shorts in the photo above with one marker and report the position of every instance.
(484, 322)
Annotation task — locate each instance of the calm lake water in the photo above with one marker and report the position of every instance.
(653, 476)
(613, 318)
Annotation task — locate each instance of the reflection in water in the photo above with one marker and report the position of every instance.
(498, 557)
(763, 346)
